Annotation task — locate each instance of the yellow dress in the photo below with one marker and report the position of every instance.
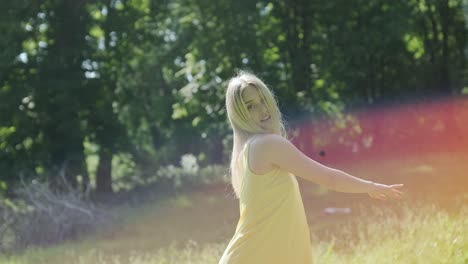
(272, 226)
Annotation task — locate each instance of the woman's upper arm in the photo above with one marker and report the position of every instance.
(283, 154)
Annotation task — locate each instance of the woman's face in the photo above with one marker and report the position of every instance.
(257, 107)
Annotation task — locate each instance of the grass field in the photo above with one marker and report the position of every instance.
(430, 225)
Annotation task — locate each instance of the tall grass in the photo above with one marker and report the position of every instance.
(406, 234)
(414, 235)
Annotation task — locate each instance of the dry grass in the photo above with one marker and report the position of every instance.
(195, 227)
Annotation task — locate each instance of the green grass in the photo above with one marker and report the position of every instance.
(180, 230)
(423, 235)
(429, 226)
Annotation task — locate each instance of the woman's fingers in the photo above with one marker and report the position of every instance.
(385, 191)
(379, 196)
(397, 194)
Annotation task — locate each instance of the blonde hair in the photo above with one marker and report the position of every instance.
(242, 124)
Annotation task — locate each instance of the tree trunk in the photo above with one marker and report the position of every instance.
(104, 173)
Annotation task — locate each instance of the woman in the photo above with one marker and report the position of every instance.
(272, 227)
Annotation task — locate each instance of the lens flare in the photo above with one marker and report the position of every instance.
(422, 145)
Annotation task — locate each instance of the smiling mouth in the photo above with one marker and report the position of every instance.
(266, 119)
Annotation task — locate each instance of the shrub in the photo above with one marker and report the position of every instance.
(190, 173)
(40, 217)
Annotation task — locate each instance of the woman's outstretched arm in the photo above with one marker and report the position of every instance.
(281, 153)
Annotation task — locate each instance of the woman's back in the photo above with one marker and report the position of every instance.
(272, 226)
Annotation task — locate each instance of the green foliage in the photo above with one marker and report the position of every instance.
(147, 79)
(414, 45)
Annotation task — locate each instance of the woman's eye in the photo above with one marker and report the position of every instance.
(250, 107)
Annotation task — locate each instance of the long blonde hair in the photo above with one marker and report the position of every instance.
(242, 124)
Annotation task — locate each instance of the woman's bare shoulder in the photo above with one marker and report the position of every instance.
(259, 161)
(264, 143)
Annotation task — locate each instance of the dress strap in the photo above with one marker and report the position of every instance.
(246, 152)
(245, 161)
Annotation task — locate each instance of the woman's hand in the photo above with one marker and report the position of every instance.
(382, 191)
